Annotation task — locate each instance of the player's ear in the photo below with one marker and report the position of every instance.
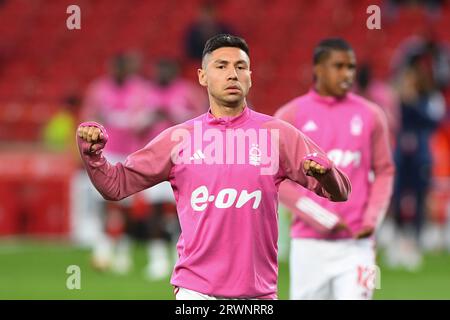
(250, 74)
(317, 70)
(202, 77)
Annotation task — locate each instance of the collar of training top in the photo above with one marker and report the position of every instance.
(330, 100)
(228, 121)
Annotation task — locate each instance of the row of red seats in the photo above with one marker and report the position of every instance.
(54, 57)
(39, 208)
(35, 193)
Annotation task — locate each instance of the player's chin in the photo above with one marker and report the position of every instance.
(237, 97)
(340, 93)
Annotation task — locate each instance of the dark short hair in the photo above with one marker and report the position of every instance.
(224, 40)
(323, 49)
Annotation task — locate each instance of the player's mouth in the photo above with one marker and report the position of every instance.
(233, 88)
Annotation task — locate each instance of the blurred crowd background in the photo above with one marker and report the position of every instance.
(133, 67)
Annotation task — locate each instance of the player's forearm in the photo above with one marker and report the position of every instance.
(104, 176)
(321, 219)
(379, 197)
(115, 182)
(333, 184)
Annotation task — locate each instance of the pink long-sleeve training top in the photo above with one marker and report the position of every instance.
(225, 174)
(353, 132)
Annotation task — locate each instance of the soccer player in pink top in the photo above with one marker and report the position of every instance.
(119, 101)
(332, 248)
(224, 167)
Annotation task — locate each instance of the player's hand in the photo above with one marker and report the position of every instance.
(341, 226)
(365, 232)
(92, 135)
(314, 169)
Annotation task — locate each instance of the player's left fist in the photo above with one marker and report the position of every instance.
(315, 166)
(312, 168)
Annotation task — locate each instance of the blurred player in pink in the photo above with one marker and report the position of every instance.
(119, 100)
(224, 167)
(332, 247)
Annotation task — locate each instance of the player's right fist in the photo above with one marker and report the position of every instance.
(90, 134)
(93, 137)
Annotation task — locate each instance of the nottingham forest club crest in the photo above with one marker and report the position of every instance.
(255, 155)
(356, 125)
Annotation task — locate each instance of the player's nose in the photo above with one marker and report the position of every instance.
(232, 74)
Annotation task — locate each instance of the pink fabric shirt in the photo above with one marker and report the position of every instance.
(123, 109)
(227, 208)
(354, 133)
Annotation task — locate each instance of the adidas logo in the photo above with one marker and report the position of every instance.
(198, 155)
(309, 126)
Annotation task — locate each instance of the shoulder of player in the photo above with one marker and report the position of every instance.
(368, 105)
(285, 128)
(256, 116)
(291, 107)
(288, 135)
(188, 125)
(363, 102)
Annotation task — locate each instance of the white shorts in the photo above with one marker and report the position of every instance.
(333, 269)
(186, 294)
(159, 193)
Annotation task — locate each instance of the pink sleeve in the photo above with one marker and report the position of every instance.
(288, 112)
(141, 170)
(383, 168)
(295, 148)
(320, 219)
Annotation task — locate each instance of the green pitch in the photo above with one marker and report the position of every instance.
(30, 270)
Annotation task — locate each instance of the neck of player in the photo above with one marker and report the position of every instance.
(221, 110)
(322, 91)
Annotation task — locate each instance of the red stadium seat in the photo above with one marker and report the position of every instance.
(9, 210)
(36, 47)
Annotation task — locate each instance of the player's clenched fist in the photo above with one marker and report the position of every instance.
(313, 168)
(90, 134)
(93, 137)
